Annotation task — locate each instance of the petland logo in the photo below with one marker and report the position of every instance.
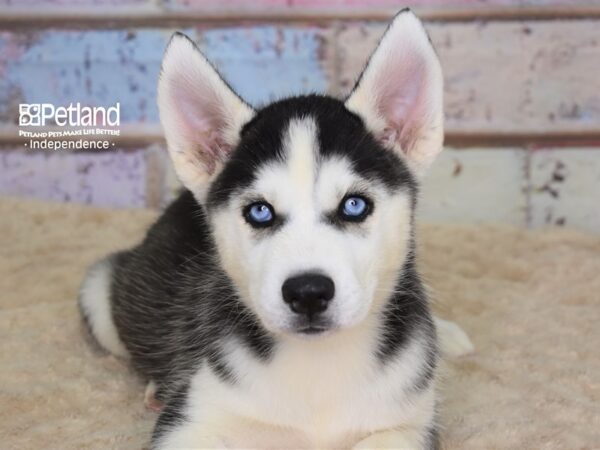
(72, 127)
(40, 114)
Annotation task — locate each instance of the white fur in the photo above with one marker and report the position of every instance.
(454, 342)
(95, 304)
(329, 393)
(400, 93)
(403, 438)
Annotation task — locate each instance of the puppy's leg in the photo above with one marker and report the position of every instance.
(150, 400)
(225, 431)
(95, 307)
(175, 430)
(394, 439)
(186, 435)
(454, 342)
(180, 425)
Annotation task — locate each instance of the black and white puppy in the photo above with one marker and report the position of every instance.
(276, 303)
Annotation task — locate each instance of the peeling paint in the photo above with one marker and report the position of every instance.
(516, 75)
(565, 188)
(475, 185)
(95, 68)
(498, 77)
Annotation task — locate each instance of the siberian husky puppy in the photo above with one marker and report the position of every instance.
(276, 303)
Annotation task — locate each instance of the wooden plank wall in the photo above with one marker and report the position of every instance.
(522, 94)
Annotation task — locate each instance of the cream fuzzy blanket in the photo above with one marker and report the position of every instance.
(529, 300)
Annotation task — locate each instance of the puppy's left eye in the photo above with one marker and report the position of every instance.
(259, 214)
(355, 208)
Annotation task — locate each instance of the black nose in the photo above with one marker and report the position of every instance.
(308, 294)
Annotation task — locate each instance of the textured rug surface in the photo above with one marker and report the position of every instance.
(530, 302)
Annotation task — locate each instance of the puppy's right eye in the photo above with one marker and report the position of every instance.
(259, 214)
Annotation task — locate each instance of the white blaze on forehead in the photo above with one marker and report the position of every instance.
(336, 178)
(289, 184)
(300, 147)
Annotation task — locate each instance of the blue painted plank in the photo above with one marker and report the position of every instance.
(102, 67)
(265, 63)
(96, 68)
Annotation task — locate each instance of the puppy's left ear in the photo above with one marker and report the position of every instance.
(400, 93)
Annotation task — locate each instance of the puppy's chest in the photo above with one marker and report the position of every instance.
(331, 397)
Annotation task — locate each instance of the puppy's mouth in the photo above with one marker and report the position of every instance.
(312, 328)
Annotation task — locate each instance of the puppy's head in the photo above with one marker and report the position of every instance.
(310, 199)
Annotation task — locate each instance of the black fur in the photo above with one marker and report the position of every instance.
(432, 439)
(172, 414)
(171, 303)
(341, 132)
(406, 311)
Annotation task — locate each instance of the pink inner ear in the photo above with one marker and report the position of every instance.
(400, 100)
(200, 122)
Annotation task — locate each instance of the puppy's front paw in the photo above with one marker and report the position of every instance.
(185, 436)
(150, 400)
(393, 439)
(454, 342)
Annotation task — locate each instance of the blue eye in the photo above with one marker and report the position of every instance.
(259, 214)
(355, 208)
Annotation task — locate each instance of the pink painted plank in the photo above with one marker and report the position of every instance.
(79, 3)
(240, 5)
(237, 5)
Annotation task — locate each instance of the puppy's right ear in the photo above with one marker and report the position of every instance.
(201, 116)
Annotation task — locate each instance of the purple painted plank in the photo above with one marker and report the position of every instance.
(115, 178)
